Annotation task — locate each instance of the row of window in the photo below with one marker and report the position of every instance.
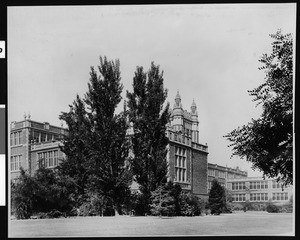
(259, 185)
(276, 184)
(258, 196)
(15, 162)
(238, 186)
(39, 136)
(256, 185)
(239, 197)
(221, 174)
(16, 138)
(280, 196)
(48, 159)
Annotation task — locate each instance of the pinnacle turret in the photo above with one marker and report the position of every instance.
(177, 101)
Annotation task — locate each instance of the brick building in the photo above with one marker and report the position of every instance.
(223, 174)
(187, 158)
(259, 190)
(31, 141)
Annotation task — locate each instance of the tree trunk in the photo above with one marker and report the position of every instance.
(116, 212)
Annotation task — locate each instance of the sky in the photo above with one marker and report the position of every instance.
(208, 52)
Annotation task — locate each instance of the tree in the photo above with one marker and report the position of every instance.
(97, 141)
(75, 165)
(149, 142)
(163, 203)
(267, 142)
(190, 205)
(53, 191)
(44, 192)
(217, 198)
(23, 196)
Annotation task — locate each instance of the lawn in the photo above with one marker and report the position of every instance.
(241, 224)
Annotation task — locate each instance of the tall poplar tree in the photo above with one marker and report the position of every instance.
(149, 117)
(75, 147)
(97, 136)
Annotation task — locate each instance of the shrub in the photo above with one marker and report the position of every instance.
(271, 208)
(236, 207)
(191, 205)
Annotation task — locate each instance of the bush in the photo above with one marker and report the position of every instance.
(191, 205)
(236, 207)
(84, 209)
(271, 208)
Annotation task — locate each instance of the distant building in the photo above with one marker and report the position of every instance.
(223, 174)
(187, 158)
(33, 143)
(259, 190)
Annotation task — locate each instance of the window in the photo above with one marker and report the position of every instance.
(48, 159)
(55, 158)
(221, 174)
(238, 186)
(280, 196)
(211, 172)
(16, 138)
(259, 197)
(259, 185)
(15, 162)
(180, 164)
(43, 137)
(238, 197)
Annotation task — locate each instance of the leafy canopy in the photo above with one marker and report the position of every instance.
(267, 142)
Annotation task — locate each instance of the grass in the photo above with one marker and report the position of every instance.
(241, 224)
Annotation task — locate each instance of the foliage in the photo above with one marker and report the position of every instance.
(44, 192)
(267, 142)
(53, 192)
(217, 199)
(272, 208)
(149, 119)
(23, 196)
(237, 207)
(97, 138)
(191, 205)
(228, 204)
(75, 165)
(163, 203)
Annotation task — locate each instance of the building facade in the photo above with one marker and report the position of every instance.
(33, 143)
(187, 158)
(259, 190)
(223, 174)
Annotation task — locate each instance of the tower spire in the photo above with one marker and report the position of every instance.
(177, 101)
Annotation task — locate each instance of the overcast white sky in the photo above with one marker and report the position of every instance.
(208, 52)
